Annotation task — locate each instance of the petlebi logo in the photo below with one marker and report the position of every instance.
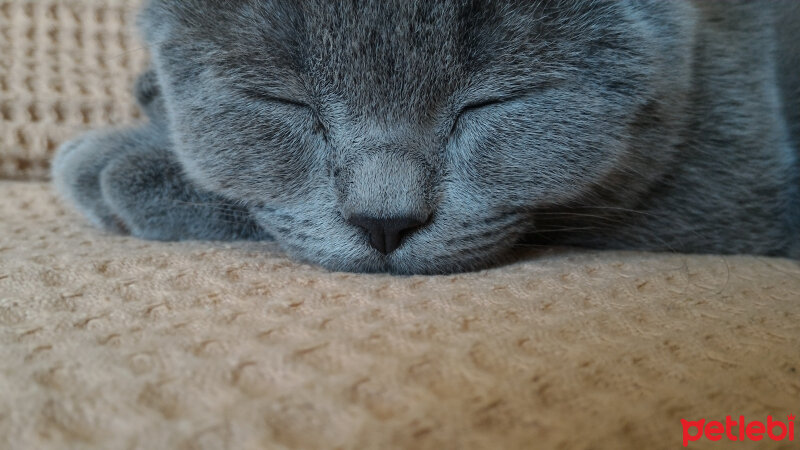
(738, 430)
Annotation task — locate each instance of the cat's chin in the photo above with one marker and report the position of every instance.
(410, 260)
(407, 266)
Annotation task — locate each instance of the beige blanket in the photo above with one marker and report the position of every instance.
(109, 342)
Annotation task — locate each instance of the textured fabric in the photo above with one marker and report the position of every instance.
(65, 66)
(114, 343)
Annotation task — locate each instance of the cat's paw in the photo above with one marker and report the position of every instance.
(128, 181)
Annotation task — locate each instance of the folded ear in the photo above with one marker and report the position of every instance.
(160, 17)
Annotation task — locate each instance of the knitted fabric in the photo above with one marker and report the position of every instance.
(66, 66)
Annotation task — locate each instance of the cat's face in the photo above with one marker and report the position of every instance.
(461, 117)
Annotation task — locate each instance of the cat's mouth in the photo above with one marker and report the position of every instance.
(407, 246)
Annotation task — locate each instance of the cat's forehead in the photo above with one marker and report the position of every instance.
(410, 31)
(390, 51)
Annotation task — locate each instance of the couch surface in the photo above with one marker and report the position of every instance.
(110, 342)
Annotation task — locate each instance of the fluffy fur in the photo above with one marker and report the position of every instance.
(635, 124)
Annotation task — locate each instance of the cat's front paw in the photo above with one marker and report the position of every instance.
(76, 173)
(128, 181)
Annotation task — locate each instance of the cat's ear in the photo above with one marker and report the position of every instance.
(153, 20)
(159, 17)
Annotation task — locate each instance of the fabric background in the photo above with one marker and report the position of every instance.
(108, 342)
(65, 65)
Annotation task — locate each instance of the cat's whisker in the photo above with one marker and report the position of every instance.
(565, 229)
(217, 206)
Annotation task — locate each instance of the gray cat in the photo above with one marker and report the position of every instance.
(438, 136)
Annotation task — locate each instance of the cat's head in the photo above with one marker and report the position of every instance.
(416, 136)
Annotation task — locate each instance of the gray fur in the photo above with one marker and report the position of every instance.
(633, 124)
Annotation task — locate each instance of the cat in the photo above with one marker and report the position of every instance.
(437, 136)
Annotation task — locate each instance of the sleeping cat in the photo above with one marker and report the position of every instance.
(439, 136)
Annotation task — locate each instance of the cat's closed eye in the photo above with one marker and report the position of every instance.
(269, 98)
(537, 86)
(477, 106)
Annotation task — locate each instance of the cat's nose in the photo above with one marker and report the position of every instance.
(385, 235)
